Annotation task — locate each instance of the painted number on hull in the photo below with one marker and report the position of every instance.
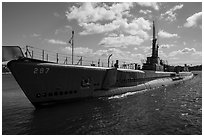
(41, 70)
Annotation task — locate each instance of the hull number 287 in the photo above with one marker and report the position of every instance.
(41, 70)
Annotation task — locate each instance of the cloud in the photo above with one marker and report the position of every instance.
(96, 28)
(183, 51)
(166, 45)
(162, 55)
(53, 41)
(97, 18)
(170, 15)
(35, 35)
(135, 27)
(92, 12)
(137, 57)
(91, 15)
(145, 11)
(149, 4)
(121, 41)
(112, 35)
(165, 34)
(121, 55)
(89, 55)
(56, 14)
(192, 20)
(188, 50)
(197, 54)
(146, 49)
(78, 50)
(179, 27)
(63, 30)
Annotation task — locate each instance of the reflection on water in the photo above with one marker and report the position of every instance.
(72, 118)
(176, 109)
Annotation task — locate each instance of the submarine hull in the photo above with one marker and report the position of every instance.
(45, 83)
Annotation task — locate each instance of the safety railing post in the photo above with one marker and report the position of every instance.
(47, 57)
(32, 54)
(43, 52)
(57, 58)
(98, 62)
(81, 61)
(26, 53)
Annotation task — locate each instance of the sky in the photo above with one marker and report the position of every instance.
(101, 29)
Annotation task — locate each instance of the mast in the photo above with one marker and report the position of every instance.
(154, 43)
(154, 31)
(71, 41)
(72, 47)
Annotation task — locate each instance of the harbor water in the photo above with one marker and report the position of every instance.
(172, 110)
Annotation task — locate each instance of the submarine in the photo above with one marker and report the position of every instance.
(46, 83)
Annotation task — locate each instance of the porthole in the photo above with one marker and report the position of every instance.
(75, 91)
(65, 92)
(70, 92)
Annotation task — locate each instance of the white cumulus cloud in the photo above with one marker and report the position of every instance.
(192, 20)
(96, 28)
(149, 4)
(35, 35)
(97, 18)
(183, 51)
(166, 45)
(145, 11)
(121, 41)
(170, 15)
(79, 50)
(53, 41)
(165, 34)
(137, 29)
(137, 26)
(188, 50)
(92, 12)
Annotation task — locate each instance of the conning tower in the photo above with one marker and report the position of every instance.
(153, 62)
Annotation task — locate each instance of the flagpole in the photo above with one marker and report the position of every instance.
(71, 41)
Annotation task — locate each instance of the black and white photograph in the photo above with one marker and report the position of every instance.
(101, 68)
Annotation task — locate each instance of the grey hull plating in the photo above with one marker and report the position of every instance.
(44, 82)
